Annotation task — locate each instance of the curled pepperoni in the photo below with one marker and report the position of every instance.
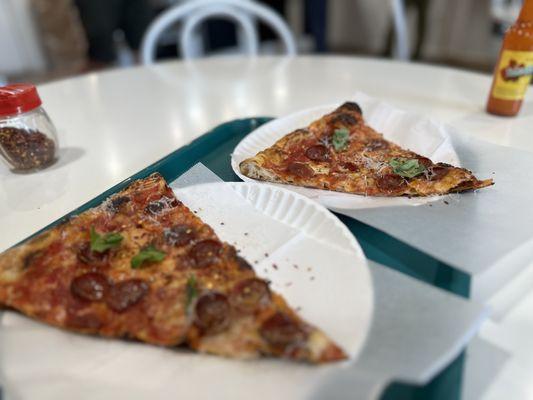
(443, 164)
(390, 183)
(93, 258)
(317, 153)
(126, 294)
(206, 252)
(352, 167)
(91, 286)
(179, 235)
(351, 106)
(212, 312)
(249, 294)
(155, 207)
(300, 170)
(243, 264)
(117, 202)
(438, 172)
(425, 162)
(377, 144)
(281, 330)
(344, 119)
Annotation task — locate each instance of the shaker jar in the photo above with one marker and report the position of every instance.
(28, 140)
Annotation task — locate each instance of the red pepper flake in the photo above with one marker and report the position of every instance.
(274, 266)
(26, 149)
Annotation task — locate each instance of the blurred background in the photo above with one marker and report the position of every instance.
(42, 40)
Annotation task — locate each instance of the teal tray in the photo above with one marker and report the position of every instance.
(214, 148)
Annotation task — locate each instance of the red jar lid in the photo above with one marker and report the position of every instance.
(18, 98)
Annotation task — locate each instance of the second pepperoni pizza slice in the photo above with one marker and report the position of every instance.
(143, 266)
(340, 152)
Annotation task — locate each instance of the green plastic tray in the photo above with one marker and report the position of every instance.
(214, 148)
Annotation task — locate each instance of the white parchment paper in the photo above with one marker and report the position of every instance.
(414, 329)
(487, 233)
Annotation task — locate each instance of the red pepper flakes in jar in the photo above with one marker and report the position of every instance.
(27, 136)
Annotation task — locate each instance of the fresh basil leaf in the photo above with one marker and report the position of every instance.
(101, 243)
(148, 254)
(406, 167)
(341, 138)
(191, 291)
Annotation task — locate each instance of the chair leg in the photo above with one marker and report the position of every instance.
(422, 8)
(400, 27)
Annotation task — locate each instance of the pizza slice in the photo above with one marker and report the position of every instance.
(340, 152)
(143, 266)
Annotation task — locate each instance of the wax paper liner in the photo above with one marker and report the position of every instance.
(485, 233)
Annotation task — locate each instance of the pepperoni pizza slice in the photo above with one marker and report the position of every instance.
(340, 152)
(143, 266)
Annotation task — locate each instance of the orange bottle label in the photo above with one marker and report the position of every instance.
(513, 75)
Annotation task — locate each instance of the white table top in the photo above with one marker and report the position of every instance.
(115, 123)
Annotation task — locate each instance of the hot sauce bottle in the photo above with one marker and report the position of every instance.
(514, 69)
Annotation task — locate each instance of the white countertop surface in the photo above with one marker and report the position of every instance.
(115, 123)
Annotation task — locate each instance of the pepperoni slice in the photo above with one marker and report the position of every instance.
(426, 162)
(300, 170)
(377, 144)
(179, 235)
(155, 207)
(126, 294)
(212, 312)
(352, 167)
(390, 183)
(351, 106)
(93, 258)
(206, 252)
(281, 330)
(438, 172)
(344, 119)
(243, 264)
(249, 294)
(116, 203)
(317, 153)
(91, 286)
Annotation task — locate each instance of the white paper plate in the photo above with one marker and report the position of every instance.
(339, 299)
(409, 131)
